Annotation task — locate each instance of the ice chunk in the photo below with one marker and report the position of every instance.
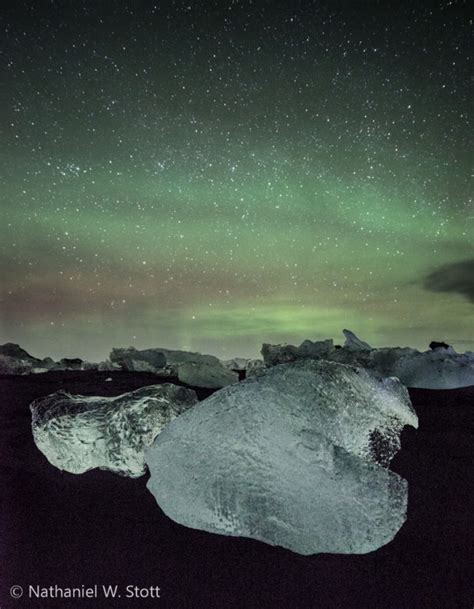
(129, 358)
(439, 368)
(157, 358)
(254, 368)
(249, 366)
(354, 343)
(15, 351)
(78, 433)
(15, 360)
(66, 363)
(107, 366)
(280, 354)
(212, 376)
(237, 363)
(13, 365)
(292, 457)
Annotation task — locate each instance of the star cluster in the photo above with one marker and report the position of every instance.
(214, 175)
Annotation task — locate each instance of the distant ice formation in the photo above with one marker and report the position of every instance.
(439, 368)
(293, 457)
(191, 368)
(281, 354)
(353, 343)
(15, 360)
(212, 376)
(78, 433)
(249, 366)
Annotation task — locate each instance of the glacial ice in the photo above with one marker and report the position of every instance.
(280, 354)
(129, 358)
(353, 343)
(156, 358)
(293, 457)
(438, 368)
(78, 433)
(212, 376)
(237, 363)
(15, 360)
(249, 366)
(254, 367)
(196, 369)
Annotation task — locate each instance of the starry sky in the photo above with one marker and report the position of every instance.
(211, 175)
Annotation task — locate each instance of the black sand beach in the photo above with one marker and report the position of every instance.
(100, 529)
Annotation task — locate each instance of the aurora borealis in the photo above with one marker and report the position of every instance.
(214, 175)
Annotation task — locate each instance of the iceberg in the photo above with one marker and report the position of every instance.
(211, 376)
(78, 433)
(439, 368)
(295, 456)
(353, 343)
(195, 369)
(280, 354)
(157, 358)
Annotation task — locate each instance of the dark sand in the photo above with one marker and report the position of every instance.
(99, 528)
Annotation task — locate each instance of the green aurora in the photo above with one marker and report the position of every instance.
(267, 183)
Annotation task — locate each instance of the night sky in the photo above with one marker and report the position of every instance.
(214, 175)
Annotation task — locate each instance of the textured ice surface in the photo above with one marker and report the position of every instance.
(78, 433)
(291, 457)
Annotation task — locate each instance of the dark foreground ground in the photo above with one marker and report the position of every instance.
(98, 528)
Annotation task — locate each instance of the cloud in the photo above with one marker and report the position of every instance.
(457, 277)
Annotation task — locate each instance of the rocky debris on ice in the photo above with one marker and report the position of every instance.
(293, 457)
(78, 433)
(434, 344)
(439, 368)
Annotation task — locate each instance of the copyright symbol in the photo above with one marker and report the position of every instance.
(16, 591)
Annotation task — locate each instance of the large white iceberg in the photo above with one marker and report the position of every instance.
(78, 433)
(293, 457)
